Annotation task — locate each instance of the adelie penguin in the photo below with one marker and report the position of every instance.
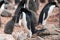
(29, 21)
(10, 24)
(46, 12)
(17, 12)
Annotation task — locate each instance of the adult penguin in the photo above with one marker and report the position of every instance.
(28, 19)
(46, 12)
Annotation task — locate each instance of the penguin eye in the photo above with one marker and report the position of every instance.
(56, 5)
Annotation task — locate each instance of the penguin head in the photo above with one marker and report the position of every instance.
(54, 3)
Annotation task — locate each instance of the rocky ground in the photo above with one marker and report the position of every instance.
(52, 27)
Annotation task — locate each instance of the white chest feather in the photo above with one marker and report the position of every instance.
(2, 7)
(49, 14)
(51, 9)
(25, 24)
(23, 18)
